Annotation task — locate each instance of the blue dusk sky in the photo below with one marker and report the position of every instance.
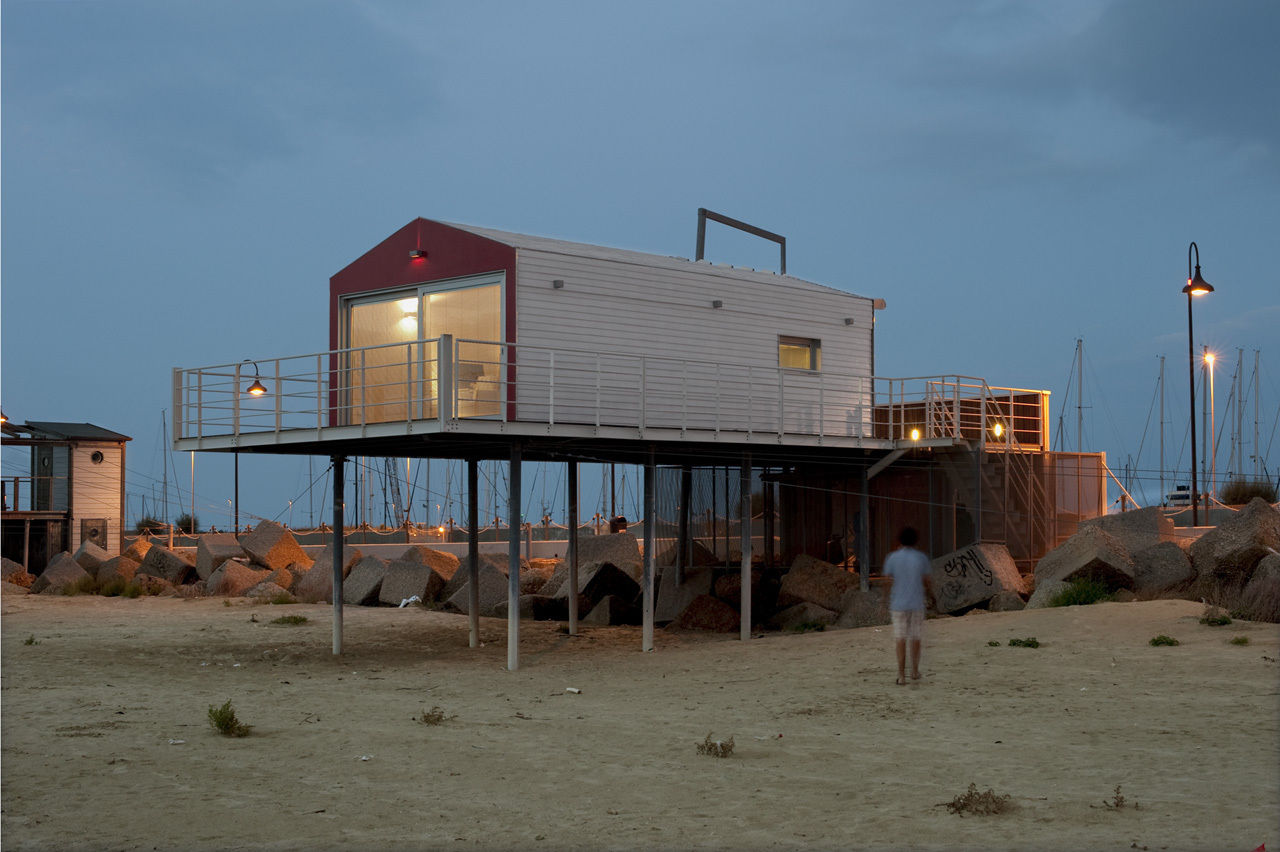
(180, 180)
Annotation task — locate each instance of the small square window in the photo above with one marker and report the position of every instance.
(799, 353)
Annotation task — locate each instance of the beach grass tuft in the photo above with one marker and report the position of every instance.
(434, 716)
(224, 720)
(1164, 640)
(290, 620)
(1029, 642)
(1080, 592)
(980, 804)
(715, 748)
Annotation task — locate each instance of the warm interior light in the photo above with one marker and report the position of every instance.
(409, 306)
(915, 434)
(409, 323)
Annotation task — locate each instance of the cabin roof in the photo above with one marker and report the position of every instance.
(57, 431)
(656, 261)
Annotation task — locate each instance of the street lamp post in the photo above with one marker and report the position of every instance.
(1196, 286)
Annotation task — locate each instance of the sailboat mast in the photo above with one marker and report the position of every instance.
(1080, 396)
(1162, 491)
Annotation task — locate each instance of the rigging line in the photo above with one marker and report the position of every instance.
(1106, 409)
(1063, 410)
(1154, 396)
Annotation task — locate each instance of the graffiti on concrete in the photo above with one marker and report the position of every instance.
(967, 563)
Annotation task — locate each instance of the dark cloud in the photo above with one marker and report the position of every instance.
(204, 91)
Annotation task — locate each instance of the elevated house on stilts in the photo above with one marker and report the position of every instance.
(451, 341)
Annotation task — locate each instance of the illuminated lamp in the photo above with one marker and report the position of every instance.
(3, 419)
(915, 434)
(997, 429)
(257, 388)
(418, 254)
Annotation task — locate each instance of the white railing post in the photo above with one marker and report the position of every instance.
(199, 405)
(409, 382)
(319, 393)
(279, 394)
(235, 404)
(444, 379)
(178, 430)
(364, 388)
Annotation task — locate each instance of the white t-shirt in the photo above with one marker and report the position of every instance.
(908, 567)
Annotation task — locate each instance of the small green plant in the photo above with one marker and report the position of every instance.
(715, 748)
(224, 721)
(187, 523)
(980, 804)
(993, 643)
(31, 640)
(434, 716)
(1117, 800)
(1080, 592)
(131, 590)
(1164, 640)
(806, 626)
(281, 598)
(1213, 616)
(1029, 642)
(290, 619)
(226, 603)
(86, 585)
(1239, 640)
(148, 525)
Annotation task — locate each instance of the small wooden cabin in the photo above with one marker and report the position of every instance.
(73, 491)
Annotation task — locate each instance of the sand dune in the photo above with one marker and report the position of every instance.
(106, 743)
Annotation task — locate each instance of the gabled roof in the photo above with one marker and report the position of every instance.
(55, 431)
(565, 247)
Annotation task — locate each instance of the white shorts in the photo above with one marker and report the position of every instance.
(907, 623)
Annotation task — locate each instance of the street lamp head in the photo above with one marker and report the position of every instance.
(1208, 358)
(1196, 285)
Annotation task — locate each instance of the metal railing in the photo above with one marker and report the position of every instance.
(447, 379)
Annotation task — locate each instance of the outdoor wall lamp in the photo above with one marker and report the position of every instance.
(997, 429)
(3, 419)
(717, 303)
(557, 284)
(418, 254)
(915, 434)
(257, 388)
(1196, 286)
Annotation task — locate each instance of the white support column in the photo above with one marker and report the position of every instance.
(650, 473)
(744, 533)
(572, 553)
(473, 551)
(513, 562)
(339, 533)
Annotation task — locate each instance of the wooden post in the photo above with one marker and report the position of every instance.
(473, 551)
(744, 534)
(339, 476)
(572, 553)
(513, 561)
(650, 472)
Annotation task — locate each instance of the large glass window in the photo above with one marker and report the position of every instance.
(799, 353)
(391, 368)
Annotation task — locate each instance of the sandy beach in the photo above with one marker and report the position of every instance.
(106, 743)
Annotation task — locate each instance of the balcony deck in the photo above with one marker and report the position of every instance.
(439, 397)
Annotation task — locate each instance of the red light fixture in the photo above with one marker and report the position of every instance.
(418, 254)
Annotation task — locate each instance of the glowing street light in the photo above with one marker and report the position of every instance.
(1196, 286)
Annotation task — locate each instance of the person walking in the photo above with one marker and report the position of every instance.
(910, 588)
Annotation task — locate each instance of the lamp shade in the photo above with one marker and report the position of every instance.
(256, 389)
(1196, 285)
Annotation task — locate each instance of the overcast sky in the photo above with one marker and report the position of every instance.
(180, 180)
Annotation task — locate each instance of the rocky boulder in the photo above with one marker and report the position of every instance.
(701, 557)
(409, 575)
(536, 608)
(1136, 530)
(138, 550)
(169, 566)
(673, 597)
(8, 568)
(728, 588)
(814, 581)
(492, 589)
(362, 585)
(234, 577)
(864, 609)
(213, 550)
(1091, 553)
(7, 588)
(61, 573)
(148, 584)
(1161, 567)
(316, 583)
(1006, 602)
(270, 592)
(117, 569)
(89, 556)
(974, 575)
(597, 581)
(1234, 547)
(272, 546)
(803, 616)
(707, 613)
(618, 549)
(1045, 591)
(613, 610)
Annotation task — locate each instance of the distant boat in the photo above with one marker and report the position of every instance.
(1179, 496)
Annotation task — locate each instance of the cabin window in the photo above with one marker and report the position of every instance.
(799, 353)
(391, 368)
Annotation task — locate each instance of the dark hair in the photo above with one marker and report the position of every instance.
(908, 537)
